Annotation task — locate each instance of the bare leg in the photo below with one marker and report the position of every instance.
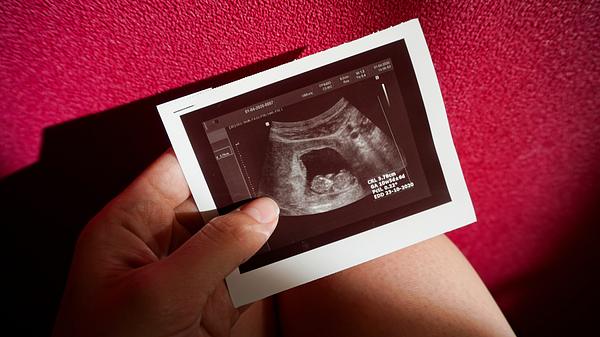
(257, 321)
(428, 289)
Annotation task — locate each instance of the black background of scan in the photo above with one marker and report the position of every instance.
(417, 116)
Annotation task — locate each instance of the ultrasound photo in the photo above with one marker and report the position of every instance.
(324, 163)
(345, 147)
(336, 150)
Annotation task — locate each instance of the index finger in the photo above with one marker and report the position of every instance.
(161, 182)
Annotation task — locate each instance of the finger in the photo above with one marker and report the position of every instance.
(187, 222)
(163, 182)
(140, 219)
(223, 244)
(187, 214)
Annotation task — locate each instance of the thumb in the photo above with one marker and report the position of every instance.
(224, 243)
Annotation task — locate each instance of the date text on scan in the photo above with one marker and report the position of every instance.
(388, 184)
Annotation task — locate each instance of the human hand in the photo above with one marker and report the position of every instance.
(138, 271)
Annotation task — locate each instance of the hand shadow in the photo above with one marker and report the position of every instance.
(84, 163)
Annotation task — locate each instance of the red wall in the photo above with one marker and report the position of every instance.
(520, 81)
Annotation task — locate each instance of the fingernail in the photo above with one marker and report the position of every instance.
(263, 210)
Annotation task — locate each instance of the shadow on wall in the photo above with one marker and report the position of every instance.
(84, 163)
(560, 296)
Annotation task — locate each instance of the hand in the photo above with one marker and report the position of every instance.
(138, 271)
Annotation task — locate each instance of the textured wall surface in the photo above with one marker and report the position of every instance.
(520, 80)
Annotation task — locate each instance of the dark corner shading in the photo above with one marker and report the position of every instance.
(83, 164)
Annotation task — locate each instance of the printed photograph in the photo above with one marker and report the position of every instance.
(340, 151)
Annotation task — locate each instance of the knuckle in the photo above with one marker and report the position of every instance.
(142, 210)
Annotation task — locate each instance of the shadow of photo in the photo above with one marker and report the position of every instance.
(83, 164)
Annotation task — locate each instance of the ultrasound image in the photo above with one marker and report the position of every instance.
(323, 163)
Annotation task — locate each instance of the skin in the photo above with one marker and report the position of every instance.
(428, 289)
(138, 270)
(145, 266)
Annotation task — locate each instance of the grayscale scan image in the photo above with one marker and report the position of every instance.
(342, 149)
(324, 163)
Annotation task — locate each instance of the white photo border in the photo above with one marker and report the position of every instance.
(310, 265)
